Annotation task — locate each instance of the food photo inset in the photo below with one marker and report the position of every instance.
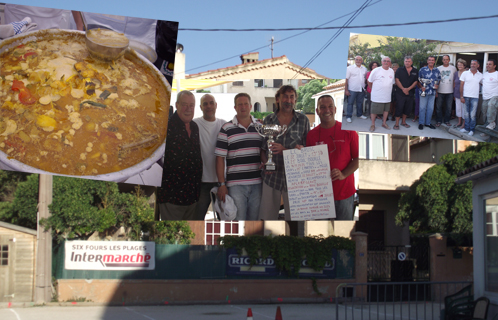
(65, 110)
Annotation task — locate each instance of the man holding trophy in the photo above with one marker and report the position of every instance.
(239, 143)
(288, 128)
(429, 78)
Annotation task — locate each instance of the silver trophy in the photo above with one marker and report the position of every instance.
(270, 131)
(424, 83)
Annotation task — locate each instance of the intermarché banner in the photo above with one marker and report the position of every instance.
(110, 255)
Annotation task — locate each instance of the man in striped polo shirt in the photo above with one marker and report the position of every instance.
(239, 143)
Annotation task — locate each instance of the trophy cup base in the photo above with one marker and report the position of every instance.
(270, 167)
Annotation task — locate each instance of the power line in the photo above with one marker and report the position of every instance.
(347, 27)
(325, 46)
(278, 41)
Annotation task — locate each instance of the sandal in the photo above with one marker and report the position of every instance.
(372, 128)
(414, 119)
(438, 124)
(396, 127)
(386, 126)
(448, 124)
(406, 125)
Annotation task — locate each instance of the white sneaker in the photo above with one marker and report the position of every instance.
(348, 120)
(491, 125)
(363, 117)
(471, 133)
(463, 131)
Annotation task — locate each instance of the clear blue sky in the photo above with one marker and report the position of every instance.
(202, 48)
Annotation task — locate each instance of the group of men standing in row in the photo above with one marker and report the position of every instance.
(208, 152)
(445, 83)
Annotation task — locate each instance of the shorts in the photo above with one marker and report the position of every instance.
(404, 105)
(378, 108)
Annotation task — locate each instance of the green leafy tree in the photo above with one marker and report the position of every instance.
(260, 115)
(304, 94)
(82, 207)
(435, 203)
(396, 49)
(20, 207)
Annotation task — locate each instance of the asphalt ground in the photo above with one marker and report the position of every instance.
(87, 311)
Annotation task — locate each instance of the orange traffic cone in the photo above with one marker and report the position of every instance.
(279, 314)
(249, 314)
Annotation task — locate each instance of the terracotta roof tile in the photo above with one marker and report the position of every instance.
(479, 166)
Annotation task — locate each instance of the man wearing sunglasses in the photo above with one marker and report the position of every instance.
(343, 155)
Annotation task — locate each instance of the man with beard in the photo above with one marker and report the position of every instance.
(343, 156)
(274, 182)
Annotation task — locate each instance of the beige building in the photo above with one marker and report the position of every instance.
(17, 263)
(389, 165)
(253, 68)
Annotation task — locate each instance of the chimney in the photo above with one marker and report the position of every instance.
(250, 57)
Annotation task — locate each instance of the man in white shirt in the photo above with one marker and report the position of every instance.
(469, 90)
(381, 82)
(490, 93)
(355, 88)
(209, 127)
(445, 92)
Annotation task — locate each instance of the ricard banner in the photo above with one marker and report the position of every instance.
(110, 255)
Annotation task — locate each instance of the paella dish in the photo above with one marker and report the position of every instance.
(64, 112)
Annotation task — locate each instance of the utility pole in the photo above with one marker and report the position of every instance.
(43, 281)
(272, 39)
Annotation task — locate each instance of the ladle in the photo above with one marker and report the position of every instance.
(105, 44)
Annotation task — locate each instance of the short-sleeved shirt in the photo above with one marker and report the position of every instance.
(489, 85)
(447, 75)
(182, 171)
(242, 149)
(471, 84)
(343, 147)
(382, 84)
(296, 134)
(432, 75)
(406, 80)
(356, 78)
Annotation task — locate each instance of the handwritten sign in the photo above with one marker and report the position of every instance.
(309, 184)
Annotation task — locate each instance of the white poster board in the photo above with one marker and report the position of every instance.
(110, 255)
(309, 184)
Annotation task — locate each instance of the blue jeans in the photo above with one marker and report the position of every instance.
(446, 98)
(469, 113)
(358, 96)
(426, 109)
(247, 199)
(344, 209)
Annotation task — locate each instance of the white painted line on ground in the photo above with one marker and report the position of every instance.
(17, 316)
(261, 314)
(143, 315)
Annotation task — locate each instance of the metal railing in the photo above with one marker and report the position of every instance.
(394, 300)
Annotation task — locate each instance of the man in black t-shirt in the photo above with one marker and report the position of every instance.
(406, 80)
